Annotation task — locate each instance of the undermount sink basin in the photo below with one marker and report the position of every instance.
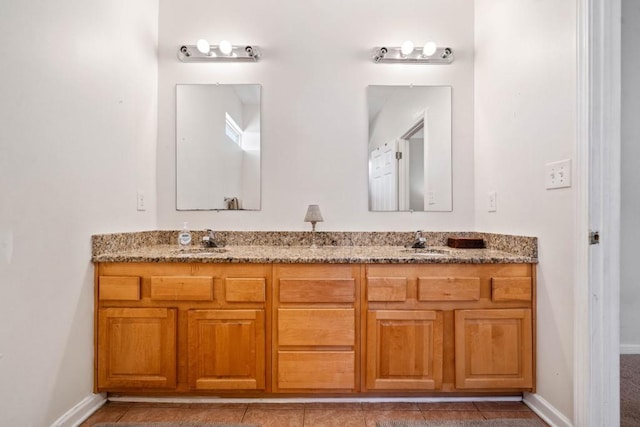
(427, 252)
(198, 251)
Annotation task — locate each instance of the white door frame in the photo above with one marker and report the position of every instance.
(597, 287)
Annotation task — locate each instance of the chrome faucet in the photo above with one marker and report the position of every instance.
(209, 240)
(420, 241)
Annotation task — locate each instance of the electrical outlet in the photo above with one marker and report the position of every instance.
(141, 202)
(558, 174)
(492, 201)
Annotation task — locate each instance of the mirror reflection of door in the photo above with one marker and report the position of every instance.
(384, 178)
(412, 163)
(410, 148)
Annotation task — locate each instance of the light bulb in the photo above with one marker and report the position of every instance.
(225, 47)
(429, 49)
(203, 46)
(407, 47)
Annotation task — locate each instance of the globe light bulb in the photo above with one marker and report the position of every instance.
(225, 47)
(429, 49)
(203, 46)
(407, 47)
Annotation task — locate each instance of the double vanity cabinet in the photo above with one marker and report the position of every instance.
(267, 329)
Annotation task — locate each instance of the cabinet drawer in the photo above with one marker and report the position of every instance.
(387, 289)
(316, 327)
(316, 370)
(511, 288)
(186, 288)
(448, 288)
(317, 290)
(244, 290)
(122, 288)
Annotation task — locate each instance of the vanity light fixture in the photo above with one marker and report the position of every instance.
(313, 216)
(430, 53)
(202, 51)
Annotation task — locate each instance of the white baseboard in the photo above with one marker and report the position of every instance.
(546, 411)
(83, 410)
(629, 348)
(199, 399)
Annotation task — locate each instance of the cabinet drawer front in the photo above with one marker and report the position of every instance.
(187, 288)
(317, 290)
(316, 370)
(122, 288)
(387, 289)
(317, 327)
(244, 290)
(448, 288)
(511, 288)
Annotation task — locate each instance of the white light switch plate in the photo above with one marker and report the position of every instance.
(492, 201)
(558, 174)
(141, 202)
(431, 197)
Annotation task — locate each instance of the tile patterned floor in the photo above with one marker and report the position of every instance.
(307, 414)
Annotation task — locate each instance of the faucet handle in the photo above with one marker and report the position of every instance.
(208, 240)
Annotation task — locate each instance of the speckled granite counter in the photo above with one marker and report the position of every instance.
(292, 247)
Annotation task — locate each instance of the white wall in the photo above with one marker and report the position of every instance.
(525, 117)
(630, 208)
(78, 123)
(314, 75)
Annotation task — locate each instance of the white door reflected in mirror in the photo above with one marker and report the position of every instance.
(410, 148)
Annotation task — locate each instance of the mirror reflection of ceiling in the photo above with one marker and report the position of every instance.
(409, 148)
(218, 147)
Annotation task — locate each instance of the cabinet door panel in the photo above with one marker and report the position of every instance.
(226, 349)
(404, 350)
(136, 348)
(493, 349)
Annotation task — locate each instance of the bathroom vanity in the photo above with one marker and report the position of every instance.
(288, 320)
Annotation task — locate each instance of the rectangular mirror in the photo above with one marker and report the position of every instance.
(218, 147)
(409, 148)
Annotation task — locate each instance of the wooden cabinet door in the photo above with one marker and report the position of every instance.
(494, 349)
(404, 350)
(136, 348)
(226, 349)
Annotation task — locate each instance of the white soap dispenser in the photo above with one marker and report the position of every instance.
(184, 237)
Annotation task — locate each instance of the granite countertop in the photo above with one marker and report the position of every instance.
(305, 254)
